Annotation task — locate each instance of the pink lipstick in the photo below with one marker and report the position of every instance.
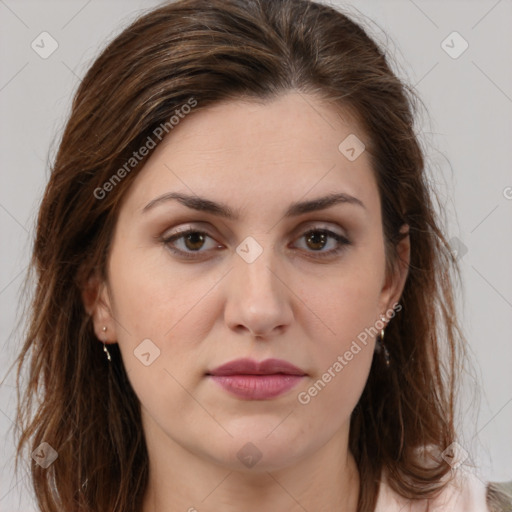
(253, 380)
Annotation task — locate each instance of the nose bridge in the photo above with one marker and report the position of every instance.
(256, 266)
(259, 300)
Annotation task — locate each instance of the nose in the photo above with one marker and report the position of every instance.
(258, 300)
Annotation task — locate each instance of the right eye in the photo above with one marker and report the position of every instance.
(193, 240)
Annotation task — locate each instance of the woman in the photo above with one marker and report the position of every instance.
(244, 297)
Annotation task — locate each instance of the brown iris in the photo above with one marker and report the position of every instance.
(194, 238)
(317, 238)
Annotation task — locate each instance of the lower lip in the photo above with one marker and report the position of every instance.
(257, 387)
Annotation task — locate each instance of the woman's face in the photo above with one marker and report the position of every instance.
(268, 281)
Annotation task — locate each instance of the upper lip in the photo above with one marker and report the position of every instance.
(252, 367)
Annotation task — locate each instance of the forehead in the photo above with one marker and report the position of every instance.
(243, 152)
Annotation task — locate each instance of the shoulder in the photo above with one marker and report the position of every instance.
(464, 492)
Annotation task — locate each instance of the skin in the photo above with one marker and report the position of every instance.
(290, 303)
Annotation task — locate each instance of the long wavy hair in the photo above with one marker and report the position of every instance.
(218, 50)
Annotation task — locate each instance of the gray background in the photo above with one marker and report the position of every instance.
(467, 134)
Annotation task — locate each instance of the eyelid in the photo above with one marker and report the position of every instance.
(301, 229)
(319, 225)
(341, 240)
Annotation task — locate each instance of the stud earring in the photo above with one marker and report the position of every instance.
(105, 349)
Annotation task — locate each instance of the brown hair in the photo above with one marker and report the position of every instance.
(215, 50)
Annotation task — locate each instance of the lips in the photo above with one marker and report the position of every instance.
(252, 367)
(253, 380)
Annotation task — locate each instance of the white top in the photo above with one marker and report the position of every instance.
(465, 493)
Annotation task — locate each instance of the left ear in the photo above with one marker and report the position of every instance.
(395, 282)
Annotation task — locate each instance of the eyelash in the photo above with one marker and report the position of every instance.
(342, 242)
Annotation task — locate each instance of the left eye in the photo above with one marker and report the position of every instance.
(194, 240)
(320, 237)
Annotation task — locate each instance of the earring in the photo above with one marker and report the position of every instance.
(383, 345)
(105, 349)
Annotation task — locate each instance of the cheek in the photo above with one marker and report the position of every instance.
(173, 311)
(164, 309)
(149, 300)
(343, 355)
(347, 304)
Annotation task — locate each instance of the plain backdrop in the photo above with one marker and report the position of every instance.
(467, 134)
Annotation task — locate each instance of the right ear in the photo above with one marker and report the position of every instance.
(96, 302)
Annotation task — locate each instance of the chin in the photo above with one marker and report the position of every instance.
(256, 448)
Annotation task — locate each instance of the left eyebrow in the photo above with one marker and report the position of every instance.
(223, 210)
